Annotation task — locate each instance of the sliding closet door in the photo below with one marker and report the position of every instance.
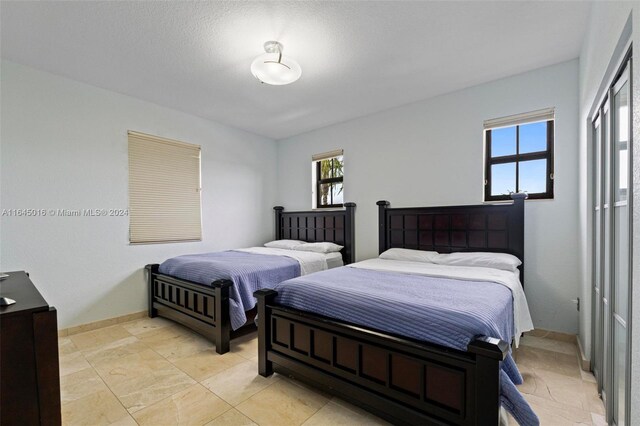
(611, 247)
(620, 243)
(598, 222)
(606, 251)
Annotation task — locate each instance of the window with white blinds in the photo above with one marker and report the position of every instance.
(164, 190)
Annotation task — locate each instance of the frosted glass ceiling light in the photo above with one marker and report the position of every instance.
(273, 68)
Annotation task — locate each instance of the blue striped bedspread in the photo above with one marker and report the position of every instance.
(443, 311)
(249, 272)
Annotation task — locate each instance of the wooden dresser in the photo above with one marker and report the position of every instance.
(29, 370)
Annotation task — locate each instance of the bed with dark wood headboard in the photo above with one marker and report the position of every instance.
(205, 309)
(497, 228)
(334, 226)
(403, 380)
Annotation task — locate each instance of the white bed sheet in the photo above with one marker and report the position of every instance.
(511, 280)
(310, 262)
(334, 260)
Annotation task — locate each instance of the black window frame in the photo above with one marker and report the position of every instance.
(320, 182)
(517, 158)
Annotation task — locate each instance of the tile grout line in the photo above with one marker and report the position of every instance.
(102, 378)
(584, 402)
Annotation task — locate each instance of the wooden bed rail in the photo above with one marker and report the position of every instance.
(199, 307)
(401, 380)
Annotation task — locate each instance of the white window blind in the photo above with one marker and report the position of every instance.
(326, 155)
(164, 190)
(527, 117)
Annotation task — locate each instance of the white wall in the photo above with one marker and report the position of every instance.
(64, 145)
(431, 153)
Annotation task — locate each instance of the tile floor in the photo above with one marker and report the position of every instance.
(155, 372)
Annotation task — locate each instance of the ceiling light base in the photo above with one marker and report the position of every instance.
(273, 47)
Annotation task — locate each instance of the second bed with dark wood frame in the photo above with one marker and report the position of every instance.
(205, 309)
(402, 380)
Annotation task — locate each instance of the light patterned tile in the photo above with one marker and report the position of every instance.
(96, 338)
(232, 417)
(77, 385)
(592, 401)
(555, 413)
(192, 406)
(66, 346)
(175, 342)
(125, 421)
(205, 364)
(598, 420)
(283, 403)
(552, 361)
(559, 388)
(146, 324)
(239, 382)
(112, 352)
(98, 408)
(72, 363)
(246, 346)
(587, 376)
(343, 414)
(569, 348)
(142, 379)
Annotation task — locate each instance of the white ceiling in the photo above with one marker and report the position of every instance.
(357, 57)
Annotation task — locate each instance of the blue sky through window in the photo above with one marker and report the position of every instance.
(503, 141)
(503, 178)
(533, 137)
(533, 176)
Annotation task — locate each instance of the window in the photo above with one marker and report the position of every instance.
(328, 173)
(519, 156)
(164, 190)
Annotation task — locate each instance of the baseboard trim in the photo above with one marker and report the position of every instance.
(585, 364)
(554, 335)
(100, 324)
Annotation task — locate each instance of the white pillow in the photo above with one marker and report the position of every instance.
(284, 244)
(409, 255)
(504, 261)
(319, 247)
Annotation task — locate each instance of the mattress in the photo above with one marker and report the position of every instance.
(250, 270)
(334, 260)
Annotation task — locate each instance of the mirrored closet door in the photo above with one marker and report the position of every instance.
(611, 128)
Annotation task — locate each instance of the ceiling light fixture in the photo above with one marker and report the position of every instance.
(273, 68)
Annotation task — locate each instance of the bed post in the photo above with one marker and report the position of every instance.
(489, 353)
(278, 210)
(350, 237)
(382, 226)
(223, 324)
(151, 269)
(265, 297)
(516, 235)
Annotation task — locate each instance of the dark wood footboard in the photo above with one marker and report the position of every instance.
(201, 308)
(401, 380)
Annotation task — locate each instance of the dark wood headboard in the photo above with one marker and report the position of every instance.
(334, 226)
(484, 227)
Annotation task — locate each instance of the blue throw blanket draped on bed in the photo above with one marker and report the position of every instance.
(443, 311)
(249, 272)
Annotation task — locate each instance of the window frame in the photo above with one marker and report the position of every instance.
(517, 158)
(319, 182)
